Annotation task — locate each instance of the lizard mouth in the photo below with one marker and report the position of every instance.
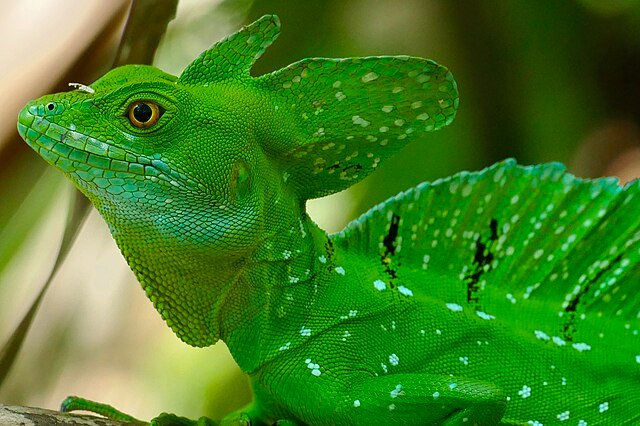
(91, 162)
(71, 150)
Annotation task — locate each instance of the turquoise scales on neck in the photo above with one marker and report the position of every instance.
(506, 295)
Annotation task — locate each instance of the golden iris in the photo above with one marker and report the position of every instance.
(144, 114)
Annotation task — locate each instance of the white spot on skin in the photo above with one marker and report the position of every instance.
(558, 341)
(285, 346)
(393, 359)
(416, 104)
(582, 423)
(315, 368)
(425, 261)
(638, 359)
(541, 335)
(340, 270)
(303, 233)
(563, 416)
(286, 254)
(379, 285)
(356, 403)
(384, 367)
(534, 423)
(603, 407)
(454, 307)
(453, 386)
(304, 331)
(402, 289)
(369, 77)
(357, 120)
(392, 407)
(340, 96)
(436, 395)
(322, 259)
(484, 315)
(387, 108)
(464, 360)
(397, 391)
(525, 392)
(581, 347)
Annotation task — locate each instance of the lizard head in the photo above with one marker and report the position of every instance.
(202, 168)
(146, 150)
(171, 169)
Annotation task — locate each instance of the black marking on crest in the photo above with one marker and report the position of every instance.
(353, 168)
(329, 252)
(569, 328)
(389, 243)
(482, 260)
(328, 246)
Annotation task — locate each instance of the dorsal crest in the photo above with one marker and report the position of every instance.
(233, 56)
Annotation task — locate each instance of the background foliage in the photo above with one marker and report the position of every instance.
(539, 80)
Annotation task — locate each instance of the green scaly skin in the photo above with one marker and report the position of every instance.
(503, 296)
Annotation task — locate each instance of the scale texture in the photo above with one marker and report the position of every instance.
(505, 296)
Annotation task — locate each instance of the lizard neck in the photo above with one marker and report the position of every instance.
(265, 311)
(184, 283)
(246, 298)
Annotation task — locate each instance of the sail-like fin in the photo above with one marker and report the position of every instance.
(351, 114)
(551, 254)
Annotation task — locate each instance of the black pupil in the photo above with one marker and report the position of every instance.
(142, 112)
(50, 106)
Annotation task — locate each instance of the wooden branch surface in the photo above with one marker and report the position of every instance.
(27, 416)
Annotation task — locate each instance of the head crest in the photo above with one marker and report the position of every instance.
(233, 56)
(342, 117)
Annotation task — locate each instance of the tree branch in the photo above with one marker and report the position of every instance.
(16, 415)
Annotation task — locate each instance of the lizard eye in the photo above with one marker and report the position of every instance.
(144, 114)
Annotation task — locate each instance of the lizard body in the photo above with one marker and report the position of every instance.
(506, 295)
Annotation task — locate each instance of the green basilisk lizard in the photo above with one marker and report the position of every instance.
(508, 295)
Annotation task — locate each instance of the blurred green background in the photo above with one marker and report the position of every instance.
(539, 81)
